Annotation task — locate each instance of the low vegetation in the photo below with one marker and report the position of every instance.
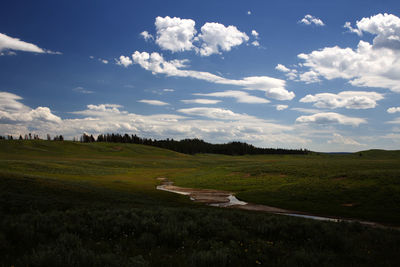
(95, 204)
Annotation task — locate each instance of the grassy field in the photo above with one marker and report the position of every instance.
(362, 185)
(349, 185)
(95, 204)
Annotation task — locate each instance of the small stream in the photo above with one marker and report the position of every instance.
(224, 199)
(163, 188)
(232, 201)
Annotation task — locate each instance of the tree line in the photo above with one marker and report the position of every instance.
(191, 146)
(186, 146)
(32, 137)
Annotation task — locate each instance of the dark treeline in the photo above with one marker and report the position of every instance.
(32, 137)
(191, 146)
(187, 146)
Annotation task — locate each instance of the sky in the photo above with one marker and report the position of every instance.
(321, 75)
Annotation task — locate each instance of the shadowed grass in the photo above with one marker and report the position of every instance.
(73, 204)
(362, 185)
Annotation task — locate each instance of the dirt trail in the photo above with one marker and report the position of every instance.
(219, 198)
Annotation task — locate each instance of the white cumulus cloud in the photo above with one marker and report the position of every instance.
(308, 77)
(330, 118)
(291, 74)
(386, 27)
(309, 19)
(345, 99)
(281, 107)
(216, 37)
(393, 110)
(214, 125)
(13, 111)
(146, 36)
(101, 108)
(124, 61)
(369, 65)
(175, 34)
(178, 35)
(282, 68)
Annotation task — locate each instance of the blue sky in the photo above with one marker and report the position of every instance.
(322, 75)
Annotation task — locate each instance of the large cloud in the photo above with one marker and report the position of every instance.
(154, 62)
(211, 124)
(15, 44)
(330, 118)
(175, 34)
(346, 99)
(369, 65)
(216, 37)
(9, 43)
(386, 27)
(13, 111)
(178, 35)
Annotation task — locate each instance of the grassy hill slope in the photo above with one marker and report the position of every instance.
(364, 185)
(74, 204)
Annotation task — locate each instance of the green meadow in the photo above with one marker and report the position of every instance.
(95, 204)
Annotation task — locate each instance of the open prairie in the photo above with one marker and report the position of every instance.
(68, 203)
